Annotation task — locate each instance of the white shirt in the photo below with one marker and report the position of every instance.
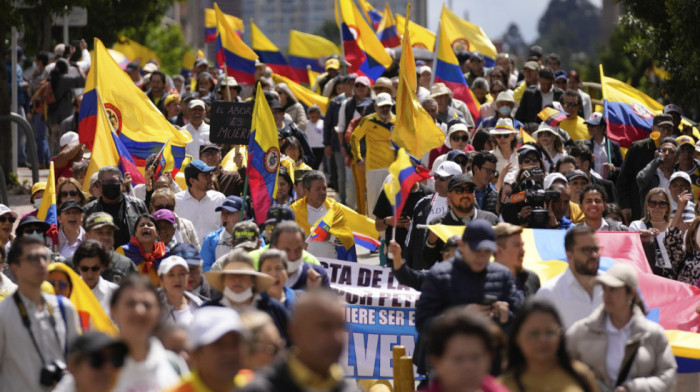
(600, 155)
(587, 105)
(200, 137)
(617, 340)
(65, 248)
(103, 292)
(155, 373)
(200, 212)
(314, 133)
(224, 246)
(7, 287)
(638, 225)
(663, 180)
(438, 207)
(547, 98)
(320, 248)
(570, 298)
(502, 161)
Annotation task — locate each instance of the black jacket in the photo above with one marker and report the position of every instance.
(276, 377)
(609, 188)
(413, 254)
(531, 104)
(638, 156)
(129, 210)
(615, 152)
(330, 136)
(527, 282)
(490, 201)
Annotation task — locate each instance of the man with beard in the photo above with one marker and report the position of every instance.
(462, 210)
(510, 252)
(574, 293)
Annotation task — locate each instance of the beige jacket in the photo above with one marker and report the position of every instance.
(653, 368)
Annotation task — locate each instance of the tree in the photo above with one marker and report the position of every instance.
(167, 41)
(329, 30)
(667, 32)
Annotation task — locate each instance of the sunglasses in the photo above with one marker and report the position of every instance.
(456, 138)
(69, 193)
(529, 160)
(164, 207)
(469, 188)
(61, 284)
(99, 359)
(10, 219)
(660, 203)
(84, 268)
(570, 104)
(462, 162)
(502, 135)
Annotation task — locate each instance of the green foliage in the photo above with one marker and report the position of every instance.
(167, 41)
(329, 30)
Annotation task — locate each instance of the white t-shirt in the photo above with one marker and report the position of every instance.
(320, 248)
(438, 208)
(200, 137)
(155, 373)
(314, 133)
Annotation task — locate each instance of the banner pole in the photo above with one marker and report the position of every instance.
(245, 193)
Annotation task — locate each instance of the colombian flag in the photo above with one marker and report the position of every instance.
(140, 127)
(303, 94)
(447, 71)
(363, 50)
(231, 53)
(366, 242)
(552, 116)
(374, 16)
(268, 52)
(467, 36)
(263, 157)
(670, 303)
(47, 210)
(210, 24)
(386, 32)
(420, 36)
(403, 176)
(166, 162)
(135, 51)
(415, 130)
(309, 51)
(322, 229)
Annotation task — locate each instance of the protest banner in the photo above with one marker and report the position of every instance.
(230, 122)
(380, 314)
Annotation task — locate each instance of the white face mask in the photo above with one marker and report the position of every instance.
(37, 203)
(238, 298)
(293, 266)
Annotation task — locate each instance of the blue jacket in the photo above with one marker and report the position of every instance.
(301, 282)
(208, 252)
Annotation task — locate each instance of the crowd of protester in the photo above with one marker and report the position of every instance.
(205, 298)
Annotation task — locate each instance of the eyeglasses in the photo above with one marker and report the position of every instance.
(69, 193)
(456, 138)
(99, 359)
(548, 334)
(10, 219)
(590, 249)
(61, 284)
(488, 170)
(469, 188)
(164, 207)
(529, 160)
(570, 104)
(94, 268)
(502, 135)
(657, 203)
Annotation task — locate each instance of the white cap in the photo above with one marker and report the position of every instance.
(448, 169)
(210, 323)
(681, 174)
(551, 177)
(424, 68)
(68, 138)
(150, 67)
(505, 96)
(458, 127)
(557, 105)
(383, 99)
(196, 102)
(171, 262)
(6, 210)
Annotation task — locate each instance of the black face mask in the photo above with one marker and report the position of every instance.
(111, 191)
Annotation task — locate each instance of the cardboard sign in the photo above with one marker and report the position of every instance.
(230, 122)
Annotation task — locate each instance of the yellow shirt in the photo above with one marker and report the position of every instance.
(519, 91)
(576, 215)
(307, 379)
(558, 380)
(575, 127)
(380, 152)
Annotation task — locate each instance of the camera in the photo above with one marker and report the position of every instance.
(531, 193)
(52, 373)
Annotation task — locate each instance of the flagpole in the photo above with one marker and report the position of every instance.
(435, 54)
(338, 17)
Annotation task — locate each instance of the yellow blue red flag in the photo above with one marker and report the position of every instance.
(135, 51)
(404, 175)
(309, 51)
(47, 210)
(232, 53)
(210, 24)
(373, 16)
(263, 157)
(303, 94)
(463, 35)
(387, 32)
(268, 52)
(420, 36)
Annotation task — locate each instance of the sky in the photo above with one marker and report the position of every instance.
(494, 16)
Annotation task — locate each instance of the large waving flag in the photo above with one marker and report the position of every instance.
(263, 157)
(268, 52)
(210, 24)
(47, 210)
(467, 36)
(448, 71)
(373, 16)
(415, 130)
(404, 175)
(386, 32)
(135, 51)
(139, 125)
(232, 53)
(363, 50)
(420, 36)
(303, 94)
(188, 60)
(309, 51)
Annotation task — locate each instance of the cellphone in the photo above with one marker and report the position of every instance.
(489, 300)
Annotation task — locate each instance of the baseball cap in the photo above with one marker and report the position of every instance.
(663, 119)
(99, 219)
(560, 74)
(94, 341)
(454, 155)
(6, 210)
(525, 150)
(671, 108)
(171, 98)
(201, 61)
(68, 138)
(457, 127)
(246, 234)
(189, 253)
(448, 169)
(279, 213)
(332, 64)
(68, 205)
(550, 178)
(363, 80)
(505, 96)
(479, 235)
(594, 119)
(210, 323)
(476, 56)
(459, 180)
(171, 262)
(531, 65)
(164, 215)
(196, 102)
(574, 174)
(197, 166)
(134, 65)
(424, 68)
(684, 140)
(149, 68)
(207, 147)
(231, 204)
(383, 99)
(619, 275)
(38, 186)
(680, 174)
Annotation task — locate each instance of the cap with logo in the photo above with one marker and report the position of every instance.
(448, 169)
(594, 119)
(279, 213)
(663, 119)
(332, 64)
(685, 140)
(671, 108)
(195, 167)
(164, 215)
(246, 234)
(98, 220)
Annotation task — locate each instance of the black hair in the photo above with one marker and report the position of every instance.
(580, 151)
(555, 57)
(285, 227)
(482, 157)
(570, 237)
(594, 188)
(43, 58)
(17, 249)
(134, 281)
(458, 321)
(563, 160)
(546, 73)
(88, 249)
(159, 73)
(479, 140)
(573, 93)
(149, 217)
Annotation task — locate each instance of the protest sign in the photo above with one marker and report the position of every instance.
(230, 122)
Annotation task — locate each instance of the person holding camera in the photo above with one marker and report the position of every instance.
(35, 327)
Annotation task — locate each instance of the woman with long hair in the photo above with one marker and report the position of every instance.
(683, 246)
(652, 230)
(626, 351)
(144, 249)
(537, 356)
(291, 105)
(551, 145)
(285, 188)
(69, 189)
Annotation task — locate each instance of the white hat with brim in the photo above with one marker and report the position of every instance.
(6, 210)
(544, 127)
(167, 264)
(619, 275)
(504, 126)
(439, 89)
(458, 127)
(505, 96)
(261, 281)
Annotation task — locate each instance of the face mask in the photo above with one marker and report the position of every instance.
(293, 266)
(111, 191)
(238, 298)
(505, 110)
(37, 203)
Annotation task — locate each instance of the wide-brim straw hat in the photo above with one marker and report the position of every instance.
(261, 281)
